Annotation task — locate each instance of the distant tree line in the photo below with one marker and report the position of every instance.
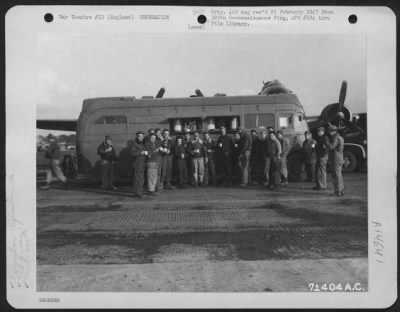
(69, 139)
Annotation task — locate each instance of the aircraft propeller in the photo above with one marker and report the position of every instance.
(342, 95)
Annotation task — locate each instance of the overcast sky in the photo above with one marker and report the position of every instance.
(75, 66)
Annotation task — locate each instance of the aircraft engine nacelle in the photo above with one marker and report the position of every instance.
(330, 111)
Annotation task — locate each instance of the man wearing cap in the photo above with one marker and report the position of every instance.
(153, 161)
(336, 144)
(159, 140)
(181, 154)
(259, 156)
(236, 166)
(167, 160)
(139, 153)
(322, 152)
(285, 151)
(149, 133)
(253, 157)
(53, 155)
(244, 156)
(309, 156)
(267, 156)
(225, 147)
(199, 156)
(209, 170)
(187, 141)
(275, 155)
(108, 157)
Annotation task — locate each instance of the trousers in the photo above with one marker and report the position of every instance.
(283, 170)
(152, 175)
(275, 176)
(54, 170)
(244, 162)
(337, 176)
(320, 172)
(267, 169)
(166, 169)
(227, 167)
(198, 169)
(310, 171)
(182, 171)
(209, 171)
(138, 176)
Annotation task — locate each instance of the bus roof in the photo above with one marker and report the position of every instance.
(94, 104)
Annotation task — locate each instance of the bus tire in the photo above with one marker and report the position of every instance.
(350, 163)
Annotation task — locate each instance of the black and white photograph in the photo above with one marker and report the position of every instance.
(200, 161)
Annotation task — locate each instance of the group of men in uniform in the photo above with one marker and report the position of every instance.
(259, 158)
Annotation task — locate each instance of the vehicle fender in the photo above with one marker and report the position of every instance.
(357, 149)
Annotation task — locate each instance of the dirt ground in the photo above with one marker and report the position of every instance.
(210, 239)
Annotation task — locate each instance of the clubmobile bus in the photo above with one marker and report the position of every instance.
(122, 117)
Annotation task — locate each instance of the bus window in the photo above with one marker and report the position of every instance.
(266, 120)
(252, 121)
(177, 125)
(285, 122)
(230, 122)
(111, 120)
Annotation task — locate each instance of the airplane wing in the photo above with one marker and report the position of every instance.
(57, 124)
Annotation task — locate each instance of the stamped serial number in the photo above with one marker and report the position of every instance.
(49, 300)
(316, 287)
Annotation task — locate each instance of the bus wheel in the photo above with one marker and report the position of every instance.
(295, 167)
(349, 162)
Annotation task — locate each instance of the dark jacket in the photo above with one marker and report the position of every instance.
(322, 148)
(210, 146)
(152, 149)
(136, 151)
(285, 147)
(309, 151)
(254, 148)
(198, 145)
(106, 155)
(245, 142)
(336, 146)
(167, 143)
(263, 148)
(179, 150)
(187, 145)
(276, 149)
(53, 152)
(225, 144)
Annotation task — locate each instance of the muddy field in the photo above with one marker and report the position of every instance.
(205, 239)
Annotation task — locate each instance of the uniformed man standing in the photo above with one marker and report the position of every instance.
(187, 141)
(199, 156)
(309, 156)
(253, 158)
(181, 155)
(167, 160)
(153, 161)
(244, 156)
(267, 156)
(285, 151)
(336, 144)
(53, 155)
(322, 152)
(108, 157)
(209, 170)
(275, 155)
(225, 147)
(236, 166)
(139, 153)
